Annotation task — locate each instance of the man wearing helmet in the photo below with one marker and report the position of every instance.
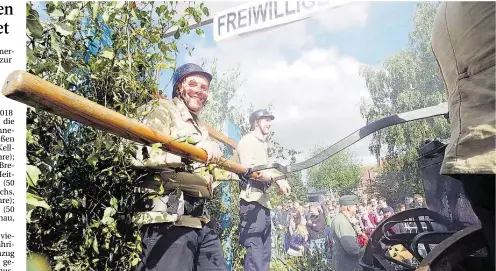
(255, 222)
(175, 229)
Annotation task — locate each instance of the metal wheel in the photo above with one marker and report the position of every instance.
(456, 252)
(408, 229)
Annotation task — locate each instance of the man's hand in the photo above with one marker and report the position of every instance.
(213, 151)
(284, 187)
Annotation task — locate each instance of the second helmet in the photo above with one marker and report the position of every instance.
(259, 114)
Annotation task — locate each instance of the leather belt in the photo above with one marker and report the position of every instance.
(171, 204)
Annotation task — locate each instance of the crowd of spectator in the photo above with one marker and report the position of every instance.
(305, 228)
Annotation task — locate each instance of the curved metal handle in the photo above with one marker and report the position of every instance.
(277, 166)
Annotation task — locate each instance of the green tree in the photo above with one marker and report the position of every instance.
(223, 105)
(298, 190)
(80, 192)
(341, 173)
(408, 80)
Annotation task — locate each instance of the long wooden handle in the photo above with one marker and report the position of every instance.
(36, 92)
(221, 137)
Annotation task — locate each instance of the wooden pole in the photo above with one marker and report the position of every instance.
(36, 92)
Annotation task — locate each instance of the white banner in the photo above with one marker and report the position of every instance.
(265, 14)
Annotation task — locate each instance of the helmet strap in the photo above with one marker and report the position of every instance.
(256, 124)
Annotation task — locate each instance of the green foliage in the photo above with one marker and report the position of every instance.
(341, 173)
(298, 191)
(310, 262)
(80, 193)
(223, 104)
(298, 188)
(408, 80)
(307, 262)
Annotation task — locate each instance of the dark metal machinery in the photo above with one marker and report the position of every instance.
(446, 235)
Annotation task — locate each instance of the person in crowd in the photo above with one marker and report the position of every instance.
(418, 201)
(307, 211)
(335, 204)
(284, 216)
(361, 211)
(294, 220)
(382, 206)
(298, 238)
(301, 210)
(368, 224)
(409, 203)
(374, 202)
(283, 222)
(288, 227)
(296, 205)
(374, 218)
(328, 212)
(376, 208)
(337, 207)
(321, 210)
(277, 214)
(273, 228)
(396, 228)
(400, 207)
(346, 250)
(316, 225)
(388, 212)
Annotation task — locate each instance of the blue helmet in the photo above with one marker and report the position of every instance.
(185, 70)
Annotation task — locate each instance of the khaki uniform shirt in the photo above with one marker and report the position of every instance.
(252, 151)
(463, 43)
(197, 179)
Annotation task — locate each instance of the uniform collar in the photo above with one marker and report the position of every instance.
(183, 110)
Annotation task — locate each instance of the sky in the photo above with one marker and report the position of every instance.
(309, 70)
